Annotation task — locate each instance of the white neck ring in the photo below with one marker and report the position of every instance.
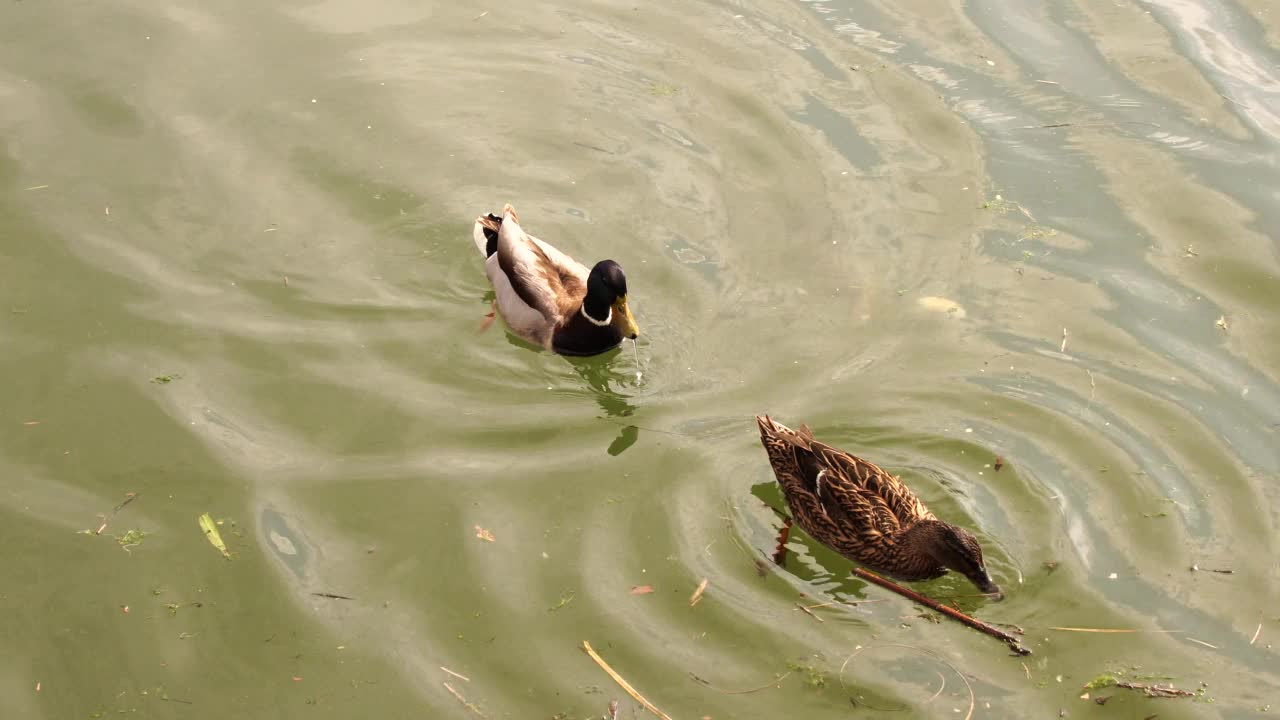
(598, 323)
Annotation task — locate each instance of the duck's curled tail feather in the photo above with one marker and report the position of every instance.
(485, 234)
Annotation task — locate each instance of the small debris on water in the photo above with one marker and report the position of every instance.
(130, 539)
(941, 305)
(697, 594)
(485, 535)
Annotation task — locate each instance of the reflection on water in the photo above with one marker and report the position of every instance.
(607, 374)
(937, 234)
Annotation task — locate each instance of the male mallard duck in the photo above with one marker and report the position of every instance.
(547, 297)
(866, 514)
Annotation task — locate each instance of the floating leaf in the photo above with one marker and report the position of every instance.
(642, 590)
(210, 529)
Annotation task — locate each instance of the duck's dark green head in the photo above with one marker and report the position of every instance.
(606, 299)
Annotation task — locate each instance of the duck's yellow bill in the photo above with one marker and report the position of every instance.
(623, 318)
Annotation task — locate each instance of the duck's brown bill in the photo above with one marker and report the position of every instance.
(988, 586)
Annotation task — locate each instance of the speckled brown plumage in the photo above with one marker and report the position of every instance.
(864, 513)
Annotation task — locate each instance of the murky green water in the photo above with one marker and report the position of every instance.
(236, 277)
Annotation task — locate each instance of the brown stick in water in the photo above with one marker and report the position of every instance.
(586, 646)
(934, 605)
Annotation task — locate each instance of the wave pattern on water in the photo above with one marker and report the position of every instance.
(239, 279)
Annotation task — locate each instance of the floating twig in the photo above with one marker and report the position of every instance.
(586, 647)
(972, 622)
(1156, 691)
(697, 594)
(1234, 101)
(809, 612)
(1063, 349)
(333, 596)
(465, 703)
(1256, 633)
(775, 683)
(457, 675)
(1201, 642)
(128, 498)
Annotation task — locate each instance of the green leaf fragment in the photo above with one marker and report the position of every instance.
(1102, 681)
(210, 529)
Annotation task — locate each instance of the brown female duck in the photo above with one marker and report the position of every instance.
(866, 514)
(547, 297)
